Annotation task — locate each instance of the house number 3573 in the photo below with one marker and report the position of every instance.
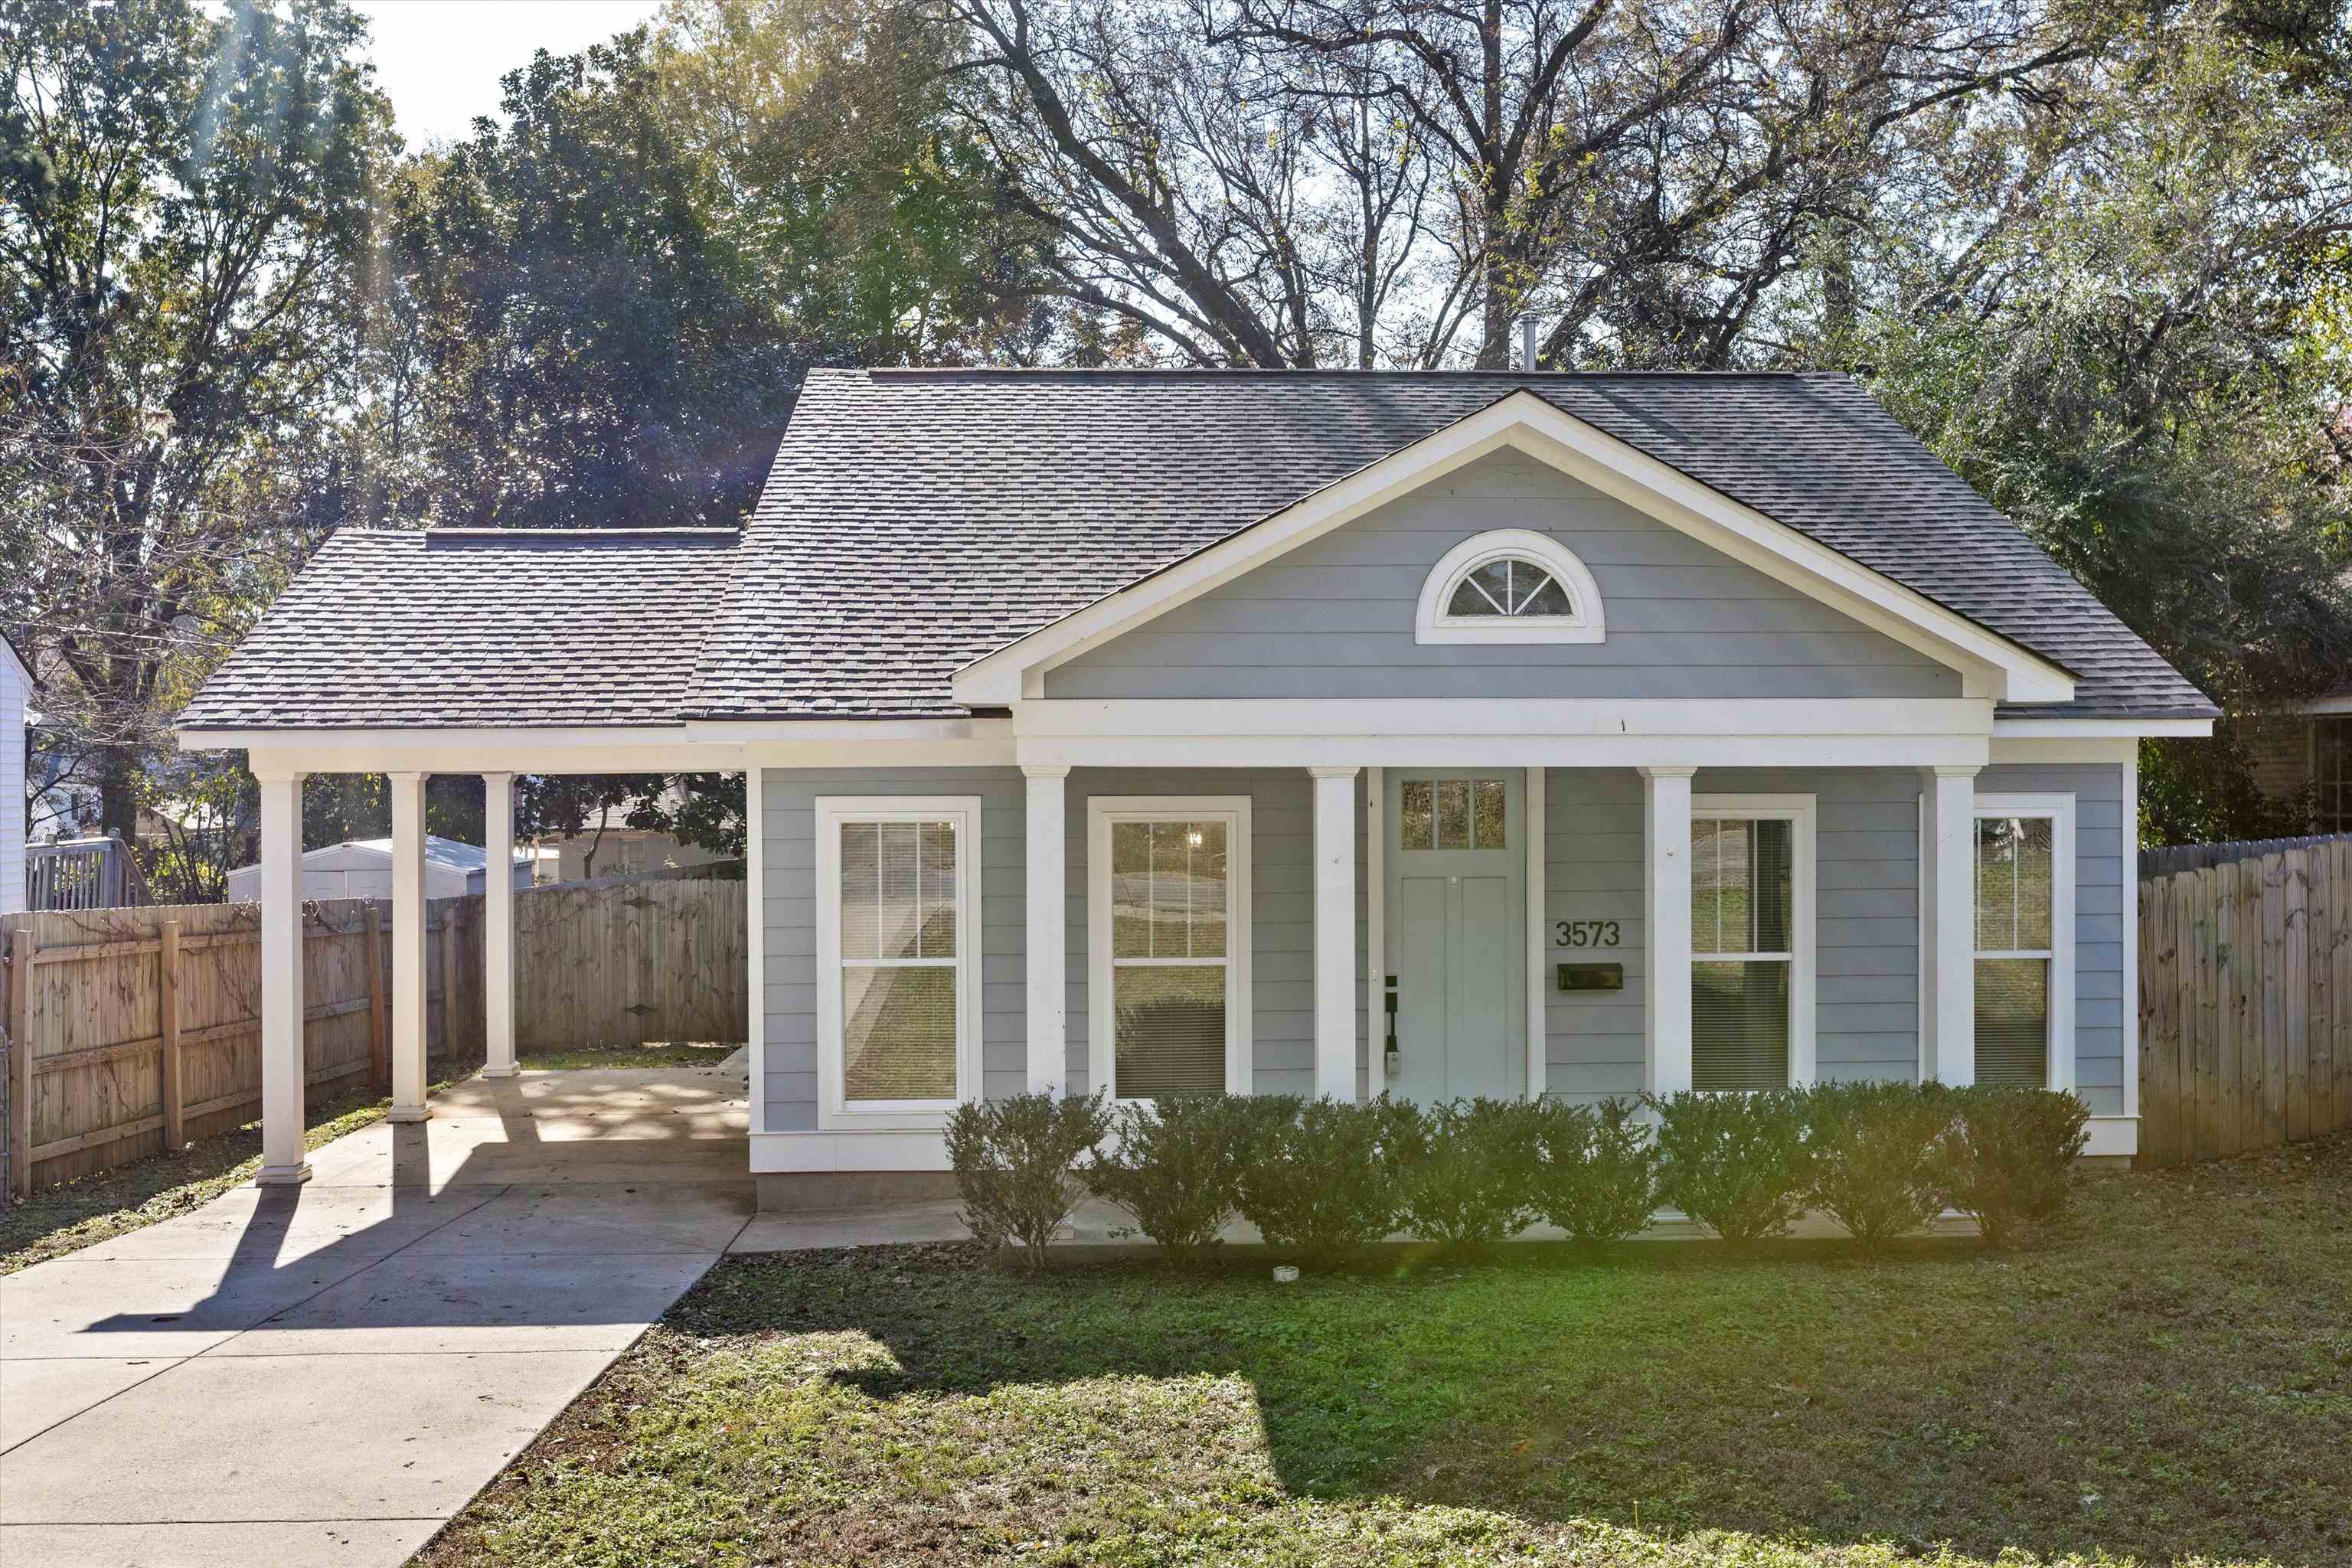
(1584, 933)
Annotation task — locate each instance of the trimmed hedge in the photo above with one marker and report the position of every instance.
(1322, 1178)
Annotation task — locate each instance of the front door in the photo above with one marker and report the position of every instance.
(1456, 906)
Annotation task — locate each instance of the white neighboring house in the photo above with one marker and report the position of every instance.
(15, 691)
(361, 868)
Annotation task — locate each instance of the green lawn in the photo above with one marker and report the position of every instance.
(2171, 1380)
(698, 1054)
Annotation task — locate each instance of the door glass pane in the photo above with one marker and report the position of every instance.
(1739, 1024)
(861, 889)
(1419, 813)
(1169, 1029)
(899, 1032)
(1453, 814)
(2014, 1021)
(1489, 798)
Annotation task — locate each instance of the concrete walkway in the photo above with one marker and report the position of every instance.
(324, 1374)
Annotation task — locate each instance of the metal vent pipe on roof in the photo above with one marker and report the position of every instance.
(1527, 340)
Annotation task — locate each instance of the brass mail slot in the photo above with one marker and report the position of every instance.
(1592, 977)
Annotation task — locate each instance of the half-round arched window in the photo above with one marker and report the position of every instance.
(1511, 585)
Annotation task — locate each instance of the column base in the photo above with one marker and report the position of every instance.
(406, 1113)
(283, 1176)
(502, 1069)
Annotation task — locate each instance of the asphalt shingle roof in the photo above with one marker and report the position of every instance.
(464, 628)
(915, 521)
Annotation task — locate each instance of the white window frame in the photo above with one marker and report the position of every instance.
(1799, 811)
(1102, 812)
(1432, 624)
(833, 1110)
(2059, 811)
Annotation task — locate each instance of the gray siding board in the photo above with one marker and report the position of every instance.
(1334, 618)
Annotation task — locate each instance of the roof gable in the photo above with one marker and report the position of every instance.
(1522, 422)
(917, 521)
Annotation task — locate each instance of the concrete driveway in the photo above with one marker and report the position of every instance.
(324, 1374)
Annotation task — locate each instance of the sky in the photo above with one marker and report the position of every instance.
(440, 60)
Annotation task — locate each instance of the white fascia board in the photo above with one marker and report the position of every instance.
(2096, 729)
(1215, 719)
(2319, 705)
(1991, 666)
(24, 671)
(2106, 749)
(691, 748)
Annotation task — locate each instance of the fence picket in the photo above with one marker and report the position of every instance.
(92, 1025)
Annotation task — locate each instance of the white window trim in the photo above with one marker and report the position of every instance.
(1233, 811)
(2060, 810)
(1800, 812)
(833, 1111)
(1431, 624)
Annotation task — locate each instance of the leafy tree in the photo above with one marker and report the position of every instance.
(187, 198)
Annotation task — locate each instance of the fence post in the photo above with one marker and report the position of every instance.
(379, 1027)
(174, 1090)
(20, 1066)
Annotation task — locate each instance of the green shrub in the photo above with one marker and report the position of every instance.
(2007, 1157)
(1012, 1161)
(1177, 1168)
(1736, 1163)
(1874, 1155)
(1598, 1175)
(1467, 1177)
(1319, 1179)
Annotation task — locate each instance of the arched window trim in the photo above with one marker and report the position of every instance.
(1432, 625)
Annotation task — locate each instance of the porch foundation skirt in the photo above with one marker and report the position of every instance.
(787, 1191)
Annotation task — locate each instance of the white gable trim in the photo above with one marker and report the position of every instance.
(23, 670)
(1990, 665)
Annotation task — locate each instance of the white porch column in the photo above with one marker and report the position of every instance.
(498, 925)
(1947, 900)
(407, 947)
(282, 1002)
(1048, 932)
(1335, 932)
(1666, 928)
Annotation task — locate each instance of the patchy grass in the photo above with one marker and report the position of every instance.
(686, 1054)
(103, 1204)
(2169, 1380)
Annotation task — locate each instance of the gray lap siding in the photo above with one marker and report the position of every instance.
(1335, 617)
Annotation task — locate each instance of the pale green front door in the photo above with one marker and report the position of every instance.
(1457, 941)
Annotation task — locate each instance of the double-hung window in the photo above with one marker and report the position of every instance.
(2025, 950)
(1751, 870)
(897, 896)
(1168, 945)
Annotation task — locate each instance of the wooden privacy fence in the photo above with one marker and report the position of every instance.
(130, 1031)
(2246, 1004)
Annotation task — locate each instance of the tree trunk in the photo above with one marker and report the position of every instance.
(1501, 296)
